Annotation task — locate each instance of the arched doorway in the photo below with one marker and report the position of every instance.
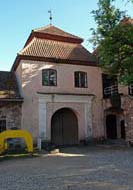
(64, 127)
(111, 126)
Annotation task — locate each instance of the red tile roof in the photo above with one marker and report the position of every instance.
(53, 33)
(52, 30)
(131, 21)
(59, 50)
(127, 20)
(54, 45)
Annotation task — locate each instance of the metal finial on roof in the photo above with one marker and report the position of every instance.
(50, 16)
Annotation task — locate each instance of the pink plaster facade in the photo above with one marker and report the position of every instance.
(30, 75)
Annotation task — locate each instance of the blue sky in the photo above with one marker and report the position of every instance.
(19, 17)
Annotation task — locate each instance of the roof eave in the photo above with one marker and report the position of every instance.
(52, 37)
(51, 59)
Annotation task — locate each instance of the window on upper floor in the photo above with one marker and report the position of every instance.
(49, 77)
(80, 79)
(110, 86)
(130, 89)
(2, 125)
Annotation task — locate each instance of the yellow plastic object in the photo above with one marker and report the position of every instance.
(16, 134)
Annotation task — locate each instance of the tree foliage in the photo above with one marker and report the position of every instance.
(130, 1)
(114, 41)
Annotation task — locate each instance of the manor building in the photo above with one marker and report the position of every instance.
(57, 92)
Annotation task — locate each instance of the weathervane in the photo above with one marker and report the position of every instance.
(50, 16)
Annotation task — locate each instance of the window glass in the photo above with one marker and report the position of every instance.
(52, 78)
(130, 90)
(49, 77)
(76, 79)
(80, 79)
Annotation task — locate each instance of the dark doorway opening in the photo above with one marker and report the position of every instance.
(123, 133)
(64, 127)
(111, 127)
(2, 125)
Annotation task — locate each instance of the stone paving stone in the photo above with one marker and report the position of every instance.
(76, 168)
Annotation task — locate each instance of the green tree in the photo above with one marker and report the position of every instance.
(130, 1)
(113, 40)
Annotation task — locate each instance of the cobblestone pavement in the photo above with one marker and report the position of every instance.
(77, 168)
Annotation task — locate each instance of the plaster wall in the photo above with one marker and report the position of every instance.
(31, 81)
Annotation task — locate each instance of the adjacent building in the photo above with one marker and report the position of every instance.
(10, 101)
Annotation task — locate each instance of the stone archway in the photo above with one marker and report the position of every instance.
(64, 127)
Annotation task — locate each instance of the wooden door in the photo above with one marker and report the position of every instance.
(64, 127)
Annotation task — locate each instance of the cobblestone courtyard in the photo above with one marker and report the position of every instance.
(76, 168)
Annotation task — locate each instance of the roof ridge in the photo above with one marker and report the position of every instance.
(43, 27)
(42, 30)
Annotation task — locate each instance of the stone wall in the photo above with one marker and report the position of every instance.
(125, 114)
(127, 105)
(11, 112)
